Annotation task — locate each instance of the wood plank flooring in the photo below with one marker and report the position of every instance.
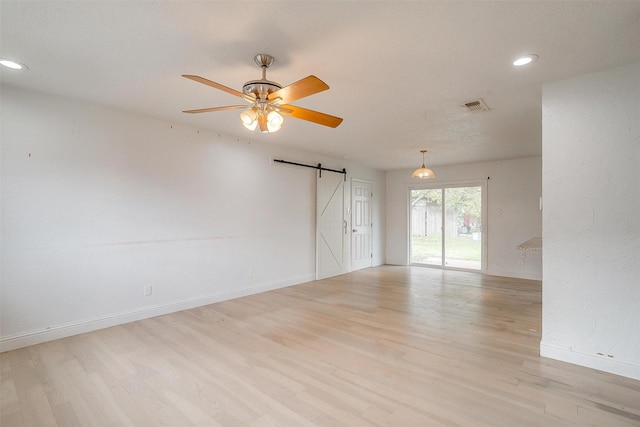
(386, 346)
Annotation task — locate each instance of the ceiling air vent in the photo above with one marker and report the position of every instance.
(476, 106)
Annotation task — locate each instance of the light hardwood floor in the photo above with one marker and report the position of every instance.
(386, 346)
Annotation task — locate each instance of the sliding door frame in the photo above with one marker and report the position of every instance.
(484, 234)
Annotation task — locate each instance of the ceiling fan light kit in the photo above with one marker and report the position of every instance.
(423, 172)
(269, 100)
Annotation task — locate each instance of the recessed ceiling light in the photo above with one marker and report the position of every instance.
(13, 64)
(524, 60)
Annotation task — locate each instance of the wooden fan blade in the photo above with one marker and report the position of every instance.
(305, 87)
(218, 86)
(310, 115)
(208, 110)
(262, 123)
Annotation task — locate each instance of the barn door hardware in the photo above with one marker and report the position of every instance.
(318, 167)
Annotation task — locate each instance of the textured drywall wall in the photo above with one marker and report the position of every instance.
(591, 195)
(97, 204)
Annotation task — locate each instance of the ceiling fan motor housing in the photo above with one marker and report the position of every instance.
(263, 87)
(260, 88)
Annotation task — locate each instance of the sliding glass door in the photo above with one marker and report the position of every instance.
(446, 226)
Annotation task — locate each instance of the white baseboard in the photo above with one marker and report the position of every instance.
(601, 363)
(13, 342)
(514, 274)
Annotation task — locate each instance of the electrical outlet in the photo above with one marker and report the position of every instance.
(148, 290)
(250, 273)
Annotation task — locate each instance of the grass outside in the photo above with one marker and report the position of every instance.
(462, 248)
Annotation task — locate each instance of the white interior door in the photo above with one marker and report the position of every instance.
(360, 224)
(330, 225)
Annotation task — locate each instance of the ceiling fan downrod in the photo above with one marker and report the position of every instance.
(264, 61)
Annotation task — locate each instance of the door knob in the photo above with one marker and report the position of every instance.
(354, 230)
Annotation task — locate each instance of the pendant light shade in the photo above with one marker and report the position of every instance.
(274, 121)
(249, 118)
(423, 172)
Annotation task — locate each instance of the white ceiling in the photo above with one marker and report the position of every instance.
(398, 71)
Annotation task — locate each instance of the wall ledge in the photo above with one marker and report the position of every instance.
(25, 339)
(600, 363)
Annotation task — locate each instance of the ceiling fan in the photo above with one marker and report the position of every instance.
(269, 101)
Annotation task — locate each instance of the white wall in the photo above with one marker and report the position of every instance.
(591, 182)
(98, 203)
(514, 216)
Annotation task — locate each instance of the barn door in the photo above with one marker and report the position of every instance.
(330, 225)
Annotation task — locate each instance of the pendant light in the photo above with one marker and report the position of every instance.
(423, 172)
